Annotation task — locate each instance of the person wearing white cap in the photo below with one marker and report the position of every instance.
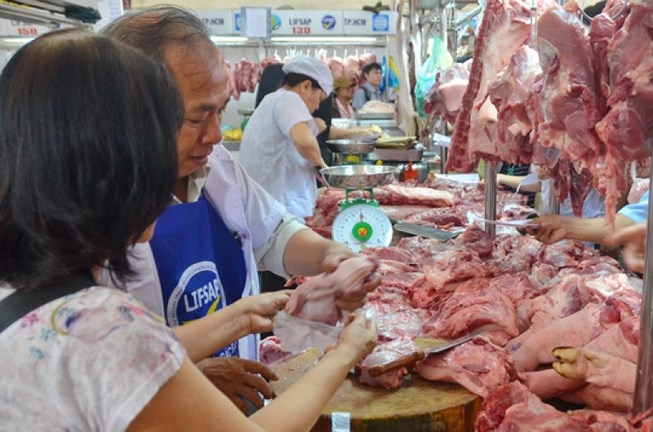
(279, 148)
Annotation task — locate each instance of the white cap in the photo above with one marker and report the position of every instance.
(313, 68)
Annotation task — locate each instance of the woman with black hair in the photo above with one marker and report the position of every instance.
(88, 161)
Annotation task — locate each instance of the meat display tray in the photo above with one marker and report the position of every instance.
(401, 155)
(375, 116)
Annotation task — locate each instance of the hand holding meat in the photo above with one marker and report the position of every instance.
(259, 310)
(633, 239)
(319, 298)
(359, 338)
(239, 379)
(552, 228)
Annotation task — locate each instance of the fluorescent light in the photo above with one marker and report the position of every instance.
(343, 39)
(228, 39)
(18, 41)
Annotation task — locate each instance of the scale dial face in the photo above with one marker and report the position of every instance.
(360, 226)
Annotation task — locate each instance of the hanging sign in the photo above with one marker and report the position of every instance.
(255, 22)
(219, 22)
(306, 23)
(22, 29)
(369, 23)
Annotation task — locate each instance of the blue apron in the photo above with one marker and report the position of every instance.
(200, 264)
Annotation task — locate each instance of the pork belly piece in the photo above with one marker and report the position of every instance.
(562, 298)
(548, 384)
(475, 304)
(443, 218)
(476, 239)
(603, 421)
(393, 253)
(396, 194)
(401, 212)
(512, 408)
(395, 320)
(477, 365)
(315, 300)
(574, 330)
(565, 253)
(453, 265)
(603, 398)
(382, 354)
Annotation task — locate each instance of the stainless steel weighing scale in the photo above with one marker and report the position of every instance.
(350, 151)
(360, 222)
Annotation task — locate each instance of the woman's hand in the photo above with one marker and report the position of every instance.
(259, 310)
(359, 337)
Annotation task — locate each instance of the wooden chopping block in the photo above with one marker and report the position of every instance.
(418, 406)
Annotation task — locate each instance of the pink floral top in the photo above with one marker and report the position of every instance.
(89, 361)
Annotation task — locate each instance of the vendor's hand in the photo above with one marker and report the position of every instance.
(321, 125)
(633, 239)
(334, 254)
(239, 379)
(352, 300)
(259, 310)
(552, 228)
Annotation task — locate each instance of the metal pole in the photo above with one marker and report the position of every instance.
(490, 197)
(644, 383)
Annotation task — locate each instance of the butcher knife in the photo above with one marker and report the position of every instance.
(424, 231)
(409, 360)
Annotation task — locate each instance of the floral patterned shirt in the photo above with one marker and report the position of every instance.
(89, 361)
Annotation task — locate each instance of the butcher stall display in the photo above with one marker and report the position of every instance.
(557, 326)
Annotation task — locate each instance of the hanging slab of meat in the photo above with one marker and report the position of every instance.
(445, 98)
(626, 129)
(337, 67)
(509, 93)
(569, 105)
(569, 101)
(505, 28)
(315, 300)
(234, 92)
(477, 365)
(514, 408)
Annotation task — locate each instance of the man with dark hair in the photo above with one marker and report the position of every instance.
(372, 73)
(207, 248)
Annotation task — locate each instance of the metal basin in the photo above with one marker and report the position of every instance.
(359, 176)
(349, 146)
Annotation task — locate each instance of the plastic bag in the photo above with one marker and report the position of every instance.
(439, 60)
(390, 74)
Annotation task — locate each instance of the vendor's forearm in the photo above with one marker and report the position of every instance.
(304, 253)
(515, 182)
(595, 230)
(209, 334)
